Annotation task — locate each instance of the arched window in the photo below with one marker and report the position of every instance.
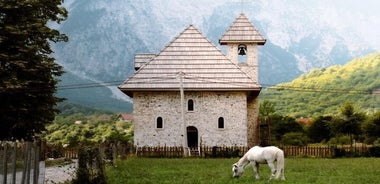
(160, 123)
(221, 122)
(190, 105)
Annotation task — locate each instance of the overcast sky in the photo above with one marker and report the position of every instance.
(363, 15)
(360, 16)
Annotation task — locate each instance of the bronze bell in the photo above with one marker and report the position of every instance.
(242, 50)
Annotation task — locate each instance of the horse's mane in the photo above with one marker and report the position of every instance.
(243, 161)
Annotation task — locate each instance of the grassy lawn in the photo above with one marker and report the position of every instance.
(205, 171)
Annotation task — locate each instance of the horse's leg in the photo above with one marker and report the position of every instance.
(282, 174)
(255, 167)
(278, 174)
(272, 169)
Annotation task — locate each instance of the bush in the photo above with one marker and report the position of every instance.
(343, 140)
(376, 142)
(374, 151)
(295, 139)
(339, 152)
(224, 152)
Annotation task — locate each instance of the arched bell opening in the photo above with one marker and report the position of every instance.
(242, 53)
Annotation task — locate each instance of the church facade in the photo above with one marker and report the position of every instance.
(191, 94)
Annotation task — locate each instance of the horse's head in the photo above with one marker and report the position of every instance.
(237, 170)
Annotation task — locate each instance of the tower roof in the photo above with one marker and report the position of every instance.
(242, 31)
(203, 66)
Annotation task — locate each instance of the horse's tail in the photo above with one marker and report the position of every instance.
(280, 165)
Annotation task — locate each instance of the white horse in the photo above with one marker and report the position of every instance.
(261, 155)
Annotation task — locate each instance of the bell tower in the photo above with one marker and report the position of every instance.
(242, 39)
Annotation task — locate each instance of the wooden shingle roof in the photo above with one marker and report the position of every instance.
(242, 31)
(203, 65)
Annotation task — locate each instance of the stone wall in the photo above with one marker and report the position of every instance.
(208, 108)
(253, 123)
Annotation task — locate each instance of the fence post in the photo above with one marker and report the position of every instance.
(14, 160)
(36, 171)
(5, 171)
(114, 153)
(26, 166)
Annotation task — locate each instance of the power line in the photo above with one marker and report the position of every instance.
(265, 86)
(194, 77)
(320, 90)
(89, 85)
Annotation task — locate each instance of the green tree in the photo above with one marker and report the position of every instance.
(295, 139)
(371, 128)
(266, 108)
(92, 129)
(348, 122)
(319, 129)
(27, 69)
(280, 125)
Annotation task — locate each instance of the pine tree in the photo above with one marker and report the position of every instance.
(348, 122)
(27, 70)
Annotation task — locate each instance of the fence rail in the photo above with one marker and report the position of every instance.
(308, 151)
(238, 151)
(122, 150)
(330, 151)
(160, 151)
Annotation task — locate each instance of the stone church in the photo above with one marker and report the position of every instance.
(191, 94)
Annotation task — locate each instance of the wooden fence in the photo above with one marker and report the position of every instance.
(327, 151)
(308, 151)
(70, 153)
(20, 162)
(160, 151)
(222, 151)
(239, 151)
(113, 151)
(109, 150)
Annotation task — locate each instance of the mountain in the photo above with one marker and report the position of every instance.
(324, 91)
(92, 94)
(105, 35)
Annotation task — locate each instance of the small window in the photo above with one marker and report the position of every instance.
(160, 123)
(221, 123)
(190, 105)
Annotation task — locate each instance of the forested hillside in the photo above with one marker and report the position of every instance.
(75, 129)
(323, 91)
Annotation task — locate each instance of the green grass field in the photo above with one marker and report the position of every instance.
(208, 171)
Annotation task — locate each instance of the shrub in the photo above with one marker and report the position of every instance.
(343, 140)
(295, 139)
(374, 151)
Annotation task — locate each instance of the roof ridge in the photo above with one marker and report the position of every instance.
(234, 33)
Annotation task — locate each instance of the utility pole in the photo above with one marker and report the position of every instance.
(184, 128)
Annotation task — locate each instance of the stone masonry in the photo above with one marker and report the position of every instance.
(208, 107)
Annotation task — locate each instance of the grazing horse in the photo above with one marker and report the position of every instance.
(261, 155)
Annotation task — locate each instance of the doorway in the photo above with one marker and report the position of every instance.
(192, 136)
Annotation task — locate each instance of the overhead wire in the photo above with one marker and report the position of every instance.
(316, 89)
(204, 79)
(88, 85)
(231, 82)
